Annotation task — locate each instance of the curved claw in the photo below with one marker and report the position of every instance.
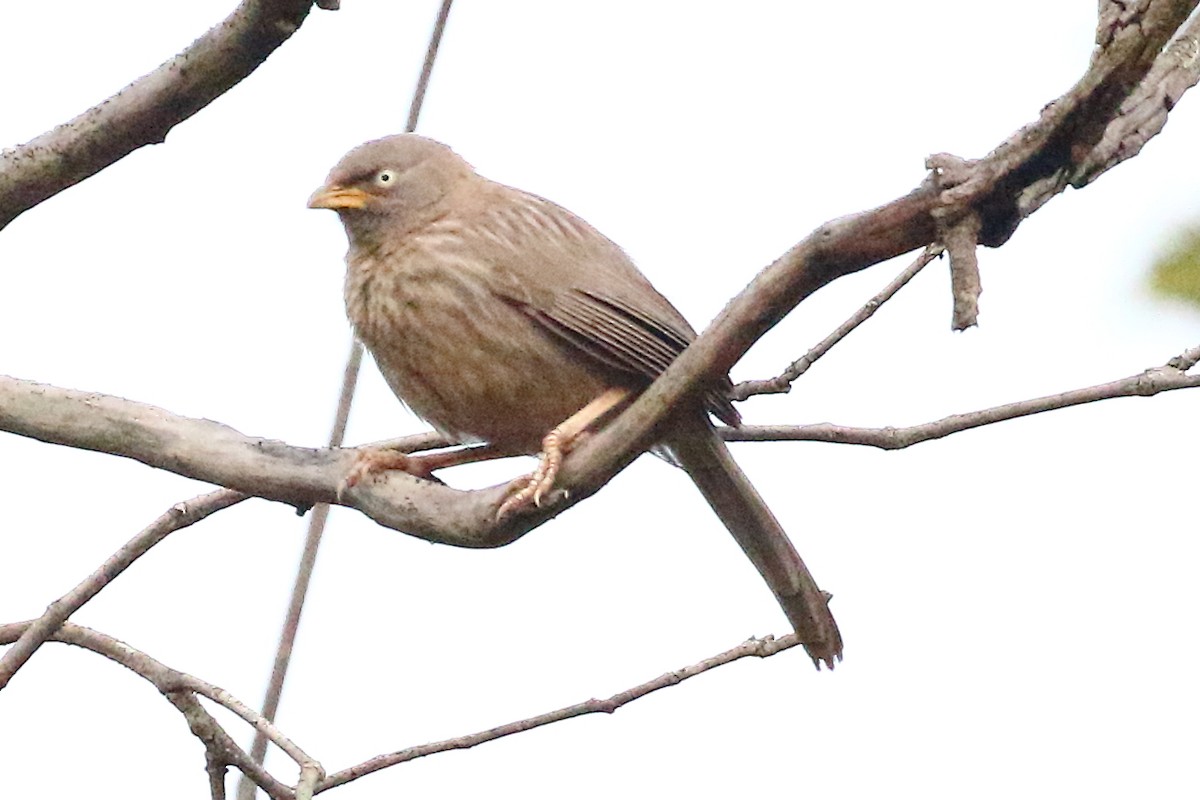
(539, 483)
(555, 446)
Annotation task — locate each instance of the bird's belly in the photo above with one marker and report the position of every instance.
(470, 363)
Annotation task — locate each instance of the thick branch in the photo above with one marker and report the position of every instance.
(1144, 113)
(143, 112)
(215, 453)
(209, 451)
(1037, 162)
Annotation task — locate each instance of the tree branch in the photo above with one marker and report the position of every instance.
(215, 453)
(1003, 188)
(178, 516)
(1144, 113)
(1172, 375)
(962, 241)
(222, 751)
(209, 451)
(144, 111)
(1186, 360)
(782, 384)
(173, 684)
(753, 647)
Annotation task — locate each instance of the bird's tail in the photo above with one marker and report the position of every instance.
(727, 489)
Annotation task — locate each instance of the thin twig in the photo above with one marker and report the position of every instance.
(758, 648)
(310, 777)
(1166, 378)
(181, 688)
(782, 384)
(177, 517)
(175, 685)
(261, 723)
(221, 751)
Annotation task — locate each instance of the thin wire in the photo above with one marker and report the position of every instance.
(316, 527)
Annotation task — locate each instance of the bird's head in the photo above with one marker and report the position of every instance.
(391, 186)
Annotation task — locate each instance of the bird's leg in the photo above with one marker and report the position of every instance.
(556, 444)
(374, 460)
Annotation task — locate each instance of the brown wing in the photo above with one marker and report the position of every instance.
(583, 289)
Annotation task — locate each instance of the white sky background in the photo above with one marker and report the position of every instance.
(1018, 602)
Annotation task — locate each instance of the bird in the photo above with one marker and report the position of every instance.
(502, 318)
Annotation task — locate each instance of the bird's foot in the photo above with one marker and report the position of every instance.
(556, 444)
(372, 461)
(533, 487)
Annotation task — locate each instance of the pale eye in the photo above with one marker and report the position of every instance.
(385, 178)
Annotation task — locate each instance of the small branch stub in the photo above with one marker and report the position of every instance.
(958, 226)
(962, 241)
